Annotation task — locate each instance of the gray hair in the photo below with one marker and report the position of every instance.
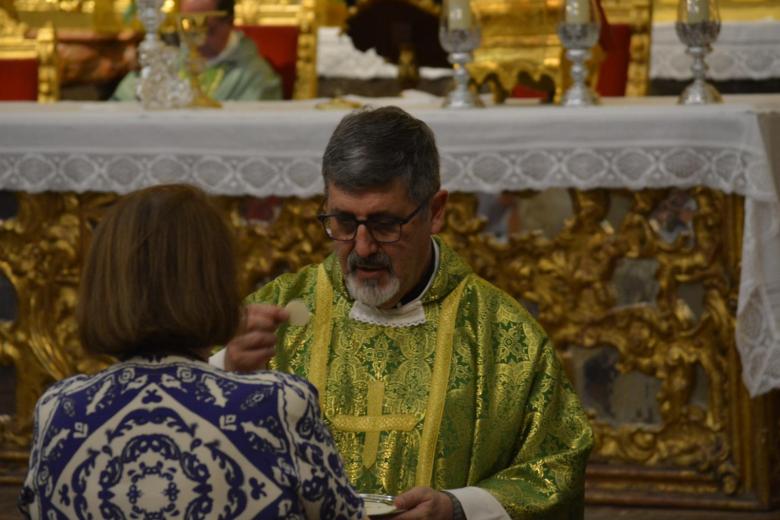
(372, 147)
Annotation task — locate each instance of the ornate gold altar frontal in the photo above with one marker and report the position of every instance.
(637, 289)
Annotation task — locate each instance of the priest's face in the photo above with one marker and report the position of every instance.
(219, 28)
(376, 273)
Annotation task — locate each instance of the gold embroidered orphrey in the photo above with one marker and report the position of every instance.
(374, 421)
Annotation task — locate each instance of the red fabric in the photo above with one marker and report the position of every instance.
(522, 91)
(605, 35)
(20, 80)
(279, 46)
(613, 73)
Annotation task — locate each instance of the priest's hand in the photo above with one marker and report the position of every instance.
(423, 502)
(255, 342)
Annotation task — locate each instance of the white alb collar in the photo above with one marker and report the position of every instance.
(407, 315)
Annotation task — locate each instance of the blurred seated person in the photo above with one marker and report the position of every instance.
(161, 433)
(235, 71)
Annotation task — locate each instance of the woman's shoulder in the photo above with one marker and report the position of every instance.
(282, 380)
(68, 385)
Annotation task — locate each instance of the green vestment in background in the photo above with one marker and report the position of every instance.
(241, 74)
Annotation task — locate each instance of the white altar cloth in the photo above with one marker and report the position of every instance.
(275, 148)
(337, 57)
(743, 50)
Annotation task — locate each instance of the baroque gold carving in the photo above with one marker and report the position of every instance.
(14, 44)
(48, 69)
(707, 454)
(569, 277)
(638, 15)
(10, 27)
(101, 15)
(42, 251)
(519, 39)
(297, 13)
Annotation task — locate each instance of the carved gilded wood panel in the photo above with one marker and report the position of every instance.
(637, 289)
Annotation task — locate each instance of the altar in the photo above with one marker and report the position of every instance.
(643, 235)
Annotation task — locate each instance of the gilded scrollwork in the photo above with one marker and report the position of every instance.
(703, 442)
(289, 240)
(570, 278)
(43, 247)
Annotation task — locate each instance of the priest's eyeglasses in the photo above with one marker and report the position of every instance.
(384, 230)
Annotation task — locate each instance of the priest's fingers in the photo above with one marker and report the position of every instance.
(255, 343)
(263, 317)
(423, 503)
(250, 351)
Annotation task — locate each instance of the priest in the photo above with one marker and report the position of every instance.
(439, 388)
(234, 71)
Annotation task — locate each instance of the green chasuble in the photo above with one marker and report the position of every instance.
(474, 396)
(239, 74)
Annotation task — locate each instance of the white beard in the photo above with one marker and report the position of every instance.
(370, 292)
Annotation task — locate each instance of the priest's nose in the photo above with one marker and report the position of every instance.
(365, 245)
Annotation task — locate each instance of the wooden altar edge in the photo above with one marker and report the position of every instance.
(625, 485)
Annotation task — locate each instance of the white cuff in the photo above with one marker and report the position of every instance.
(478, 504)
(218, 361)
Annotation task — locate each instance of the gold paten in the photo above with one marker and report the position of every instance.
(338, 103)
(722, 453)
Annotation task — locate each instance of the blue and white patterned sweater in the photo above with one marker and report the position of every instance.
(176, 438)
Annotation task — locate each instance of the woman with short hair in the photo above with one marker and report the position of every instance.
(162, 434)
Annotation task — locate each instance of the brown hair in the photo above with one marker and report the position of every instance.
(160, 276)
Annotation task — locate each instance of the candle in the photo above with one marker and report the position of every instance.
(458, 14)
(578, 11)
(698, 11)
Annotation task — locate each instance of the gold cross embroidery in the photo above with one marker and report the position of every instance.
(318, 375)
(374, 422)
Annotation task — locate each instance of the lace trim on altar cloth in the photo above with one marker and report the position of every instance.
(407, 315)
(743, 50)
(722, 167)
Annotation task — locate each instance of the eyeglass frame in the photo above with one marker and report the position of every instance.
(401, 222)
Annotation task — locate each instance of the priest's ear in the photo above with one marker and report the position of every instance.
(438, 202)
